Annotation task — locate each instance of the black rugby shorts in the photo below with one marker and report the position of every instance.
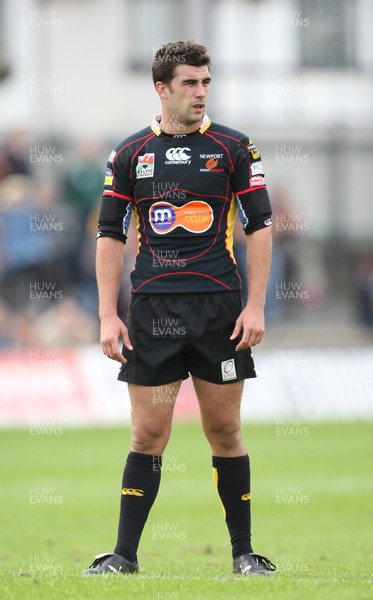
(177, 335)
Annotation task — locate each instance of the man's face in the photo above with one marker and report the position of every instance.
(184, 99)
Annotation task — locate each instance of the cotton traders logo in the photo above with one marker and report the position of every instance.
(178, 156)
(145, 166)
(196, 217)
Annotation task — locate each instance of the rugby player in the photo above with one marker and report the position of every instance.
(184, 179)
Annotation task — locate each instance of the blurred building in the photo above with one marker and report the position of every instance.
(296, 75)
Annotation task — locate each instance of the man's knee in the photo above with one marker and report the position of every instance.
(227, 433)
(150, 438)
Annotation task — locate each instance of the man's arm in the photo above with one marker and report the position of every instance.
(251, 319)
(109, 265)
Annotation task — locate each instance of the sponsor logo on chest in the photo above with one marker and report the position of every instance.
(196, 217)
(178, 156)
(212, 163)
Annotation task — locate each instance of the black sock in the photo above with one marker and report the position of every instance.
(232, 479)
(141, 479)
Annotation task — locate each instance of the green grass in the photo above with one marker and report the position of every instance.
(319, 534)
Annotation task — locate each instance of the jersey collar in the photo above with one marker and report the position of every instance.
(155, 127)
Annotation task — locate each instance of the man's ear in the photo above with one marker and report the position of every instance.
(162, 90)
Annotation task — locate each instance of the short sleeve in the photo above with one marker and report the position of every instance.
(117, 198)
(248, 184)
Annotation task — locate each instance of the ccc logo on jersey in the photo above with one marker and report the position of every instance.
(196, 217)
(178, 156)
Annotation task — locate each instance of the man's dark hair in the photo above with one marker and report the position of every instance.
(168, 56)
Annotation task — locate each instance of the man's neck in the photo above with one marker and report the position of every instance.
(172, 127)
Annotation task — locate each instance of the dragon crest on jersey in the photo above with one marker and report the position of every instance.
(145, 166)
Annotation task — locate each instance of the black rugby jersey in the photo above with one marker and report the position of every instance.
(184, 192)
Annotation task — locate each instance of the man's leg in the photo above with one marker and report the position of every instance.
(151, 416)
(220, 414)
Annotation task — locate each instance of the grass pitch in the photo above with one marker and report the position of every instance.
(312, 515)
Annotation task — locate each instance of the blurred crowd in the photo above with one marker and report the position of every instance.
(48, 216)
(49, 203)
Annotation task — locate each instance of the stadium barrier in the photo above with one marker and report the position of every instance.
(79, 388)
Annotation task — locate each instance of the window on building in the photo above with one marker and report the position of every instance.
(151, 23)
(4, 59)
(327, 32)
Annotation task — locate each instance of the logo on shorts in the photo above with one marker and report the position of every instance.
(195, 216)
(246, 497)
(228, 369)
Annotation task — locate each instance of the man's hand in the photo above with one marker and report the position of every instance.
(112, 328)
(252, 323)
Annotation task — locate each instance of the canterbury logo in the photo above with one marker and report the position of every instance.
(132, 492)
(245, 497)
(177, 154)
